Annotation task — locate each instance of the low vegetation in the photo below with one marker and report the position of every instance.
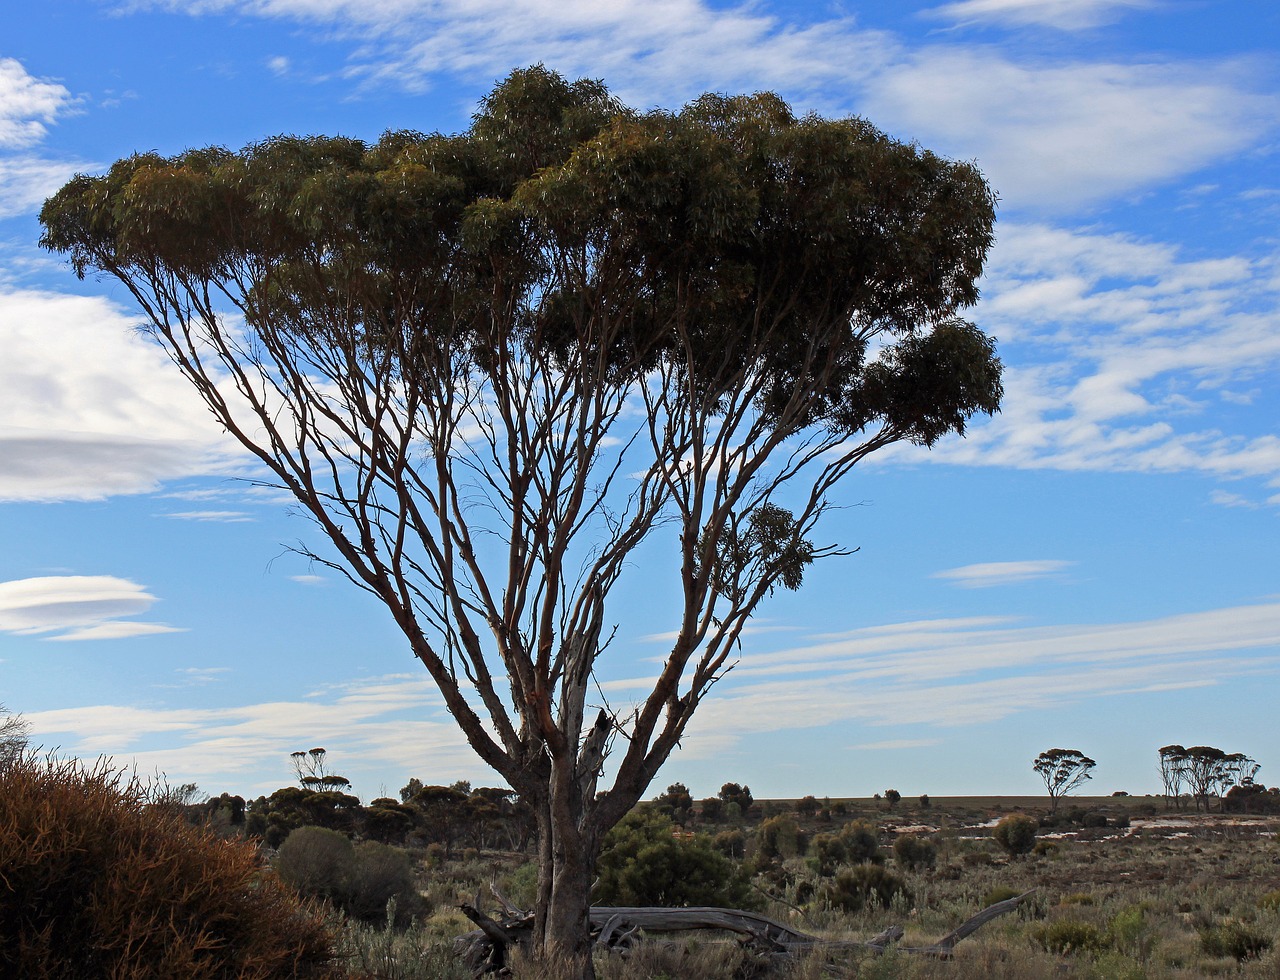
(1122, 887)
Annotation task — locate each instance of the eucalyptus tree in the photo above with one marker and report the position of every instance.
(1062, 770)
(490, 365)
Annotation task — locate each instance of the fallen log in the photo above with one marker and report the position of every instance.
(617, 928)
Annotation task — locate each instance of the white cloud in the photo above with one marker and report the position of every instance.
(945, 674)
(1055, 137)
(79, 607)
(1224, 498)
(1121, 355)
(213, 516)
(27, 105)
(89, 407)
(25, 181)
(989, 574)
(894, 744)
(361, 723)
(309, 579)
(1069, 15)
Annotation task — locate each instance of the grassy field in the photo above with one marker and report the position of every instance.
(1174, 894)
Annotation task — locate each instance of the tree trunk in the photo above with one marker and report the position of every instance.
(567, 855)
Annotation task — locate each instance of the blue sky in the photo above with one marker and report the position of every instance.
(1095, 568)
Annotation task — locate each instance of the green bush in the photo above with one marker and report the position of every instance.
(359, 879)
(862, 886)
(1067, 936)
(861, 842)
(826, 853)
(730, 843)
(780, 837)
(1016, 833)
(1270, 901)
(644, 863)
(1232, 939)
(100, 883)
(1001, 893)
(914, 852)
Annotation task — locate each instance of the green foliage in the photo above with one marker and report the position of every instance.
(1270, 901)
(711, 808)
(1000, 893)
(644, 863)
(731, 843)
(807, 806)
(1016, 833)
(863, 886)
(861, 842)
(734, 795)
(1234, 940)
(1066, 937)
(780, 837)
(892, 797)
(360, 879)
(97, 882)
(826, 853)
(914, 852)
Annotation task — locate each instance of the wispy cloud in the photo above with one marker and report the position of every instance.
(213, 516)
(390, 721)
(989, 574)
(76, 607)
(1224, 498)
(1122, 355)
(937, 674)
(1068, 15)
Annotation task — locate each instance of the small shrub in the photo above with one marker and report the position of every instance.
(1045, 848)
(1016, 833)
(1232, 939)
(1270, 901)
(383, 874)
(924, 800)
(1068, 936)
(861, 842)
(1077, 898)
(1001, 893)
(1094, 820)
(826, 853)
(914, 852)
(318, 862)
(863, 886)
(780, 837)
(100, 883)
(642, 863)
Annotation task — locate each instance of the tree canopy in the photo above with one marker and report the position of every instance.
(489, 365)
(1062, 771)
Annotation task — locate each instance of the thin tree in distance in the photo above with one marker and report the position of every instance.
(488, 366)
(1062, 770)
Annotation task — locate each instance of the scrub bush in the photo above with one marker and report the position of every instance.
(1016, 833)
(867, 885)
(100, 882)
(914, 852)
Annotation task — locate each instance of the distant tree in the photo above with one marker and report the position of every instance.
(732, 793)
(807, 806)
(1211, 772)
(1062, 770)
(711, 808)
(490, 365)
(780, 837)
(1173, 769)
(892, 797)
(675, 802)
(861, 842)
(313, 772)
(924, 800)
